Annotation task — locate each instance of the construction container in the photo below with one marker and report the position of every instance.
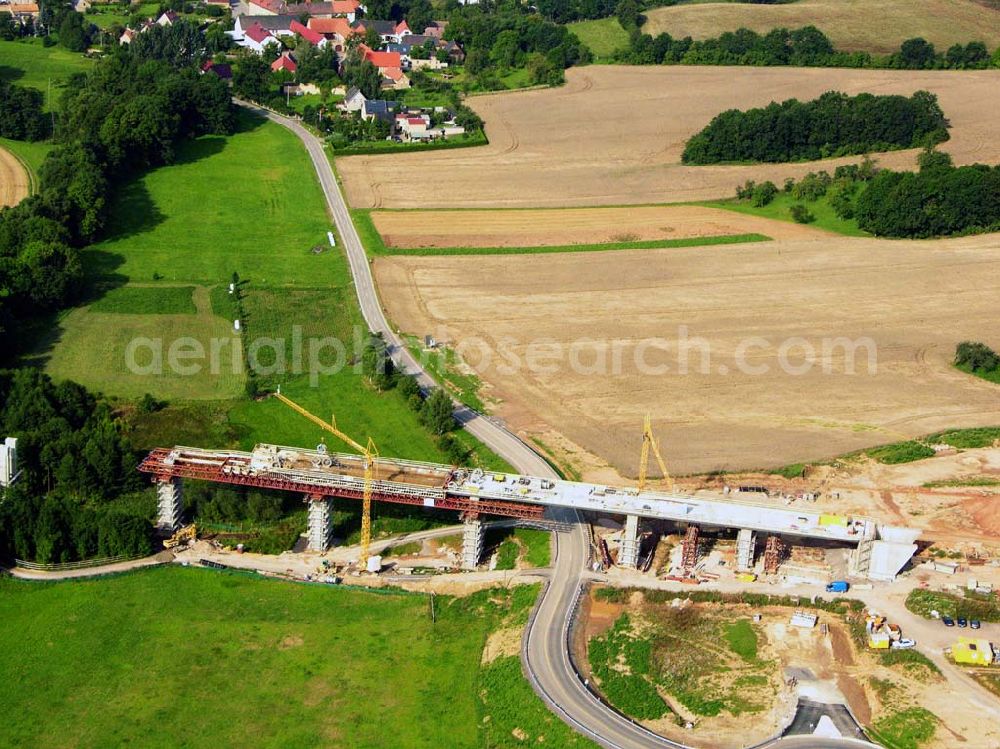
(948, 568)
(374, 563)
(803, 619)
(878, 640)
(746, 577)
(972, 652)
(833, 520)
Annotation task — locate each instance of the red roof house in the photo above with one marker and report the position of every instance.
(310, 35)
(285, 62)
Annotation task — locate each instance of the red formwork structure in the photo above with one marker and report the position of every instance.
(689, 549)
(211, 468)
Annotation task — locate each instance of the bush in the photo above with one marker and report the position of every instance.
(437, 412)
(764, 194)
(977, 357)
(801, 214)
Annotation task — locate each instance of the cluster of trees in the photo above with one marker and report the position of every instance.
(835, 124)
(124, 115)
(21, 116)
(508, 35)
(75, 460)
(938, 200)
(919, 54)
(807, 46)
(976, 357)
(566, 11)
(434, 409)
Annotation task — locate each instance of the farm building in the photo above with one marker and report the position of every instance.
(972, 651)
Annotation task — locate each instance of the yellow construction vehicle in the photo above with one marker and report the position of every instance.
(370, 453)
(185, 534)
(649, 441)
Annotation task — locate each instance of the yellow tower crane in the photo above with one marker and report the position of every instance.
(649, 441)
(370, 453)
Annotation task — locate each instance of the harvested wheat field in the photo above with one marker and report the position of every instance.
(568, 226)
(852, 25)
(14, 180)
(548, 332)
(613, 135)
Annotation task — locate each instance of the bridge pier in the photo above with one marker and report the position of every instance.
(473, 540)
(320, 529)
(628, 555)
(170, 501)
(746, 547)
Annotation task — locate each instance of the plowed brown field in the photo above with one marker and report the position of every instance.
(566, 226)
(914, 300)
(877, 27)
(14, 182)
(614, 135)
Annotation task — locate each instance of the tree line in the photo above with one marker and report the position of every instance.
(124, 116)
(76, 463)
(802, 47)
(835, 124)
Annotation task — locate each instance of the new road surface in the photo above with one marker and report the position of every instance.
(545, 650)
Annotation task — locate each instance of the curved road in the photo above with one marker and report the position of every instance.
(545, 648)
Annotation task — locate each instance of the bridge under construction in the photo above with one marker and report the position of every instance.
(879, 553)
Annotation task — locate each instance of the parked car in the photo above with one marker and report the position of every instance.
(963, 622)
(904, 644)
(975, 624)
(948, 621)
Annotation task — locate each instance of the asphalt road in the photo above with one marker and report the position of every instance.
(545, 647)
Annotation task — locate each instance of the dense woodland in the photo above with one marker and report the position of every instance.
(77, 464)
(835, 124)
(938, 200)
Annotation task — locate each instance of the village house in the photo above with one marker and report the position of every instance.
(285, 62)
(313, 37)
(257, 38)
(220, 69)
(353, 101)
(167, 19)
(277, 25)
(388, 31)
(335, 30)
(389, 64)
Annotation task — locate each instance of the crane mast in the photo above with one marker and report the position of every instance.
(649, 442)
(370, 453)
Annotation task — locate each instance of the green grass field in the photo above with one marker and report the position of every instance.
(780, 208)
(603, 36)
(248, 204)
(28, 63)
(197, 658)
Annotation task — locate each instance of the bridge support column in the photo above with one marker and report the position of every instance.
(860, 561)
(473, 540)
(628, 555)
(170, 500)
(746, 547)
(320, 529)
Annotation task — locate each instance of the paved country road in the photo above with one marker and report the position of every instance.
(545, 648)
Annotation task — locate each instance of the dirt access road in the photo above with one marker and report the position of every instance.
(544, 331)
(15, 184)
(613, 135)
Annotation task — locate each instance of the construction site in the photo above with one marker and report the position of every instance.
(871, 550)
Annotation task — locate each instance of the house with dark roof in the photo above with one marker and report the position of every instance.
(380, 109)
(277, 25)
(388, 31)
(220, 69)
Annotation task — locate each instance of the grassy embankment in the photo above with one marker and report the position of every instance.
(908, 451)
(175, 656)
(29, 63)
(603, 36)
(781, 209)
(971, 605)
(375, 246)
